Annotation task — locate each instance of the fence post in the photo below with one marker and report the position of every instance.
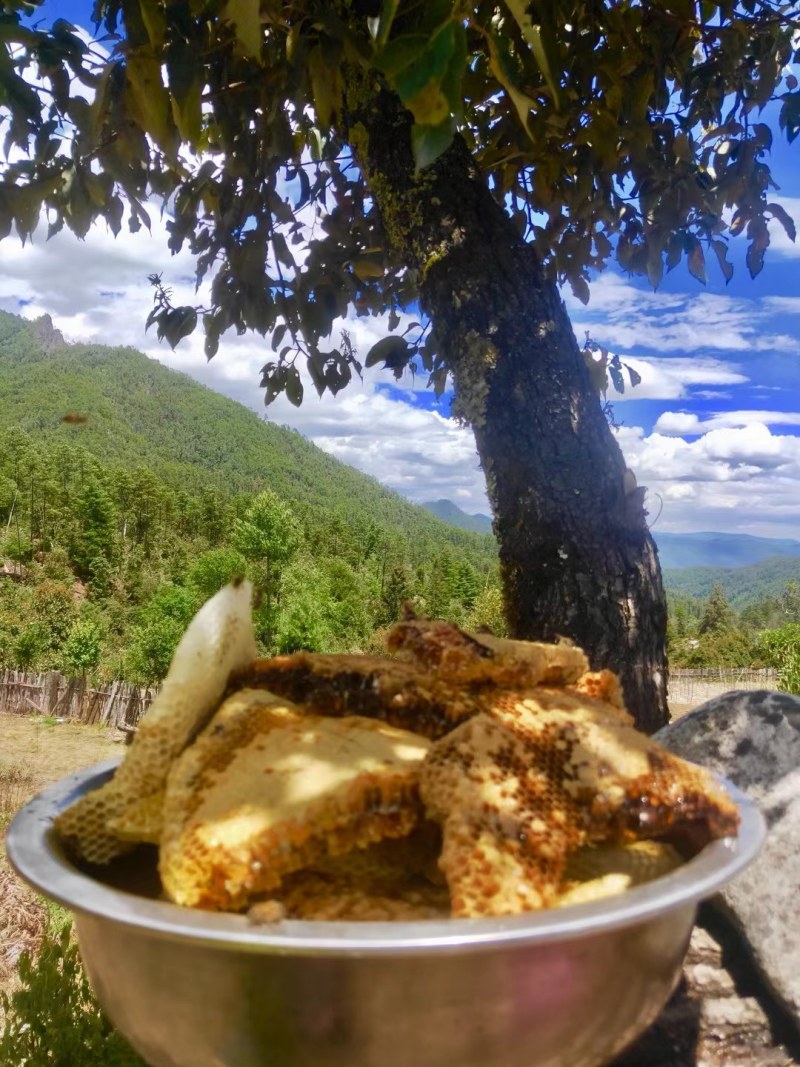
(52, 680)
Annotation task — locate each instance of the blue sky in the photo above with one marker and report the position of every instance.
(713, 430)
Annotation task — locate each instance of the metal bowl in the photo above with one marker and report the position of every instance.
(564, 988)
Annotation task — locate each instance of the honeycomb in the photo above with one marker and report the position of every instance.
(218, 640)
(376, 687)
(596, 872)
(600, 685)
(268, 789)
(395, 879)
(542, 773)
(463, 775)
(431, 644)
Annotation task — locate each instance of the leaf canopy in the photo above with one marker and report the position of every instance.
(608, 129)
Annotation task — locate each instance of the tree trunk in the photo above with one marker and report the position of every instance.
(576, 556)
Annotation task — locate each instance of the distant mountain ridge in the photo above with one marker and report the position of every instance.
(451, 513)
(720, 549)
(675, 550)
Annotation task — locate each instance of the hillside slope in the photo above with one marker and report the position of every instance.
(741, 585)
(140, 413)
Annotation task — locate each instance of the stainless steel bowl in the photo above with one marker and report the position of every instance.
(565, 988)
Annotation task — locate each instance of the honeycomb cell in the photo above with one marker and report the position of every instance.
(267, 790)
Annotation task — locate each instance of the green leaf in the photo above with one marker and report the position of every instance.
(366, 269)
(281, 248)
(580, 288)
(696, 260)
(634, 375)
(758, 233)
(150, 100)
(782, 215)
(598, 369)
(429, 142)
(427, 71)
(246, 18)
(615, 371)
(393, 352)
(326, 85)
(388, 12)
(187, 113)
(541, 44)
(655, 266)
(155, 21)
(176, 324)
(293, 387)
(721, 251)
(503, 71)
(789, 118)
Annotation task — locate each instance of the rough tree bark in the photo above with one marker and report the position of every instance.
(576, 556)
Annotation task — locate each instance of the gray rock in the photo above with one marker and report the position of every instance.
(713, 1020)
(753, 738)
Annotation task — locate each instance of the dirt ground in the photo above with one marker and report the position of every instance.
(33, 754)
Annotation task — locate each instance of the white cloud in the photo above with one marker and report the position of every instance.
(739, 478)
(683, 424)
(622, 317)
(677, 424)
(786, 305)
(673, 377)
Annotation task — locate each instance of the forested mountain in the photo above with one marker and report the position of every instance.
(447, 511)
(719, 549)
(129, 494)
(742, 586)
(142, 414)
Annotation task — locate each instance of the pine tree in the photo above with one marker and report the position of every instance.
(718, 615)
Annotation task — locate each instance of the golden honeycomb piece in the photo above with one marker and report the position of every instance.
(375, 687)
(267, 789)
(542, 773)
(218, 640)
(597, 872)
(472, 658)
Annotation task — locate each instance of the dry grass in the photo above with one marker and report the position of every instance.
(33, 754)
(677, 711)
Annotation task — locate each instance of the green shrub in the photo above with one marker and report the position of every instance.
(781, 649)
(53, 1020)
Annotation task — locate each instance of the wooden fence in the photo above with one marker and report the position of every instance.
(119, 705)
(696, 685)
(122, 705)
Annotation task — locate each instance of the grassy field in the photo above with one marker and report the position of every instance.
(34, 753)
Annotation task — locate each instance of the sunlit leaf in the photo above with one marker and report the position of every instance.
(539, 43)
(150, 99)
(246, 18)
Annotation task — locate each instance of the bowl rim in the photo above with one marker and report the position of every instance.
(39, 858)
